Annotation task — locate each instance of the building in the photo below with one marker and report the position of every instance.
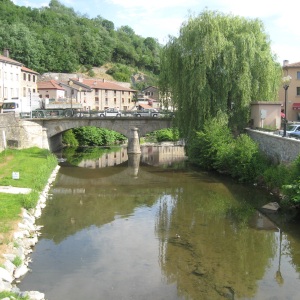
(51, 90)
(292, 96)
(16, 81)
(99, 94)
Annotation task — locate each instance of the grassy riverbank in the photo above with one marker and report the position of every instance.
(34, 166)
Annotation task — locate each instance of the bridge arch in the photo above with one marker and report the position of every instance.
(54, 127)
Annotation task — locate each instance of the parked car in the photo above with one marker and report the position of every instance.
(295, 134)
(291, 128)
(146, 113)
(110, 112)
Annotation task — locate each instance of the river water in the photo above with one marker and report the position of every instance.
(148, 226)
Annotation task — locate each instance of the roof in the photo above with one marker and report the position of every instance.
(102, 85)
(9, 60)
(146, 106)
(24, 69)
(293, 65)
(49, 85)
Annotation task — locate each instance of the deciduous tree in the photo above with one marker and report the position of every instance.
(218, 63)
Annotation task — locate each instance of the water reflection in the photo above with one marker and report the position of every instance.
(134, 231)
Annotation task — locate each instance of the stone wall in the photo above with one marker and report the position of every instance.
(283, 150)
(20, 134)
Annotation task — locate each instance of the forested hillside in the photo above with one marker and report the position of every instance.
(58, 39)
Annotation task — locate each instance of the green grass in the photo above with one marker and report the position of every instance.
(34, 165)
(12, 296)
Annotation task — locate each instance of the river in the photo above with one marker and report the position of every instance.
(119, 226)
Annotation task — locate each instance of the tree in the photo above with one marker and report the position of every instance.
(218, 63)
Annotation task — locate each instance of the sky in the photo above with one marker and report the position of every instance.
(163, 18)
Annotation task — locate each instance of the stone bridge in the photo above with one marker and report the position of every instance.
(47, 133)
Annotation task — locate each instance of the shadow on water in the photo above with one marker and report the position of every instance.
(143, 227)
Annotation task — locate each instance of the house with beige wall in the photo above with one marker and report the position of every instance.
(99, 94)
(292, 96)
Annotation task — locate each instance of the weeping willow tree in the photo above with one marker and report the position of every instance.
(218, 63)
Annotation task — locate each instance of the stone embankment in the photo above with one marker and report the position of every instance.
(24, 240)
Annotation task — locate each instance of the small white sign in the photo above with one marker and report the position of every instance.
(15, 175)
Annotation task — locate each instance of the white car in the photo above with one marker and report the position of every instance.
(110, 112)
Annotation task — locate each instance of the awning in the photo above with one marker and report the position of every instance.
(296, 105)
(145, 106)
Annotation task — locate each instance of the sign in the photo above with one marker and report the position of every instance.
(15, 175)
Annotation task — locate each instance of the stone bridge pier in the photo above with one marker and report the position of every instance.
(134, 142)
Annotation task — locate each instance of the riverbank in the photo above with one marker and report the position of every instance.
(25, 179)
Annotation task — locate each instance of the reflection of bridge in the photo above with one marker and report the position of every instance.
(47, 133)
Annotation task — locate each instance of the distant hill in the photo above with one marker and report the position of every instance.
(57, 39)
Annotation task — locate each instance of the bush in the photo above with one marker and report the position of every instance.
(69, 139)
(168, 134)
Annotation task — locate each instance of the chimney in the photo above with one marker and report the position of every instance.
(6, 53)
(285, 62)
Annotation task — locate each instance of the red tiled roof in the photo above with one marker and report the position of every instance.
(24, 69)
(49, 85)
(104, 85)
(9, 60)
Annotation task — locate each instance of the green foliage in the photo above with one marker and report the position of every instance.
(30, 200)
(215, 148)
(58, 39)
(208, 147)
(69, 139)
(17, 261)
(120, 72)
(168, 134)
(218, 63)
(93, 136)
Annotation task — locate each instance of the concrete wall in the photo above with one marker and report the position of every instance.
(283, 150)
(266, 114)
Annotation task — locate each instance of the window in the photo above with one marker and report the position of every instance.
(97, 100)
(24, 91)
(298, 91)
(29, 77)
(106, 101)
(24, 76)
(33, 78)
(123, 100)
(115, 100)
(115, 93)
(298, 75)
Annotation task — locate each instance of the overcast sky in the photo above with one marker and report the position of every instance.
(161, 18)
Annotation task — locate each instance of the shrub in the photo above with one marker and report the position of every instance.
(168, 134)
(69, 139)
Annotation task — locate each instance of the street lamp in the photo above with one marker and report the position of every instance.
(72, 90)
(285, 83)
